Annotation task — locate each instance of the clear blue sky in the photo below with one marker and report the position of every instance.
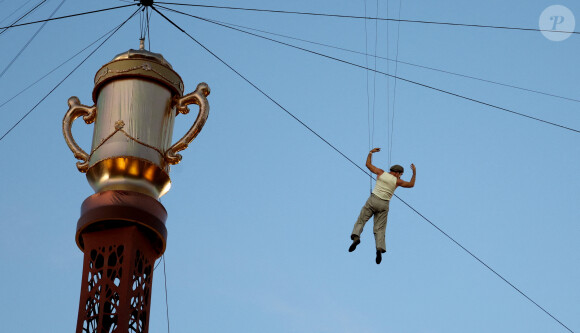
(261, 210)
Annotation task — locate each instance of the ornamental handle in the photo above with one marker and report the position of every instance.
(75, 110)
(197, 97)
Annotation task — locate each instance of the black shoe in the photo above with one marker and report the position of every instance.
(355, 242)
(379, 257)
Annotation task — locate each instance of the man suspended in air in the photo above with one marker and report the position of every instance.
(378, 203)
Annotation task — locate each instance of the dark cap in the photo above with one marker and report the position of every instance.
(397, 168)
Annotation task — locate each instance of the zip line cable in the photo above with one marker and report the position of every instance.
(368, 18)
(395, 84)
(383, 73)
(21, 17)
(54, 69)
(401, 62)
(353, 163)
(29, 41)
(67, 16)
(483, 263)
(66, 77)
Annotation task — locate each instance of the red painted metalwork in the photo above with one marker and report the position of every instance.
(121, 233)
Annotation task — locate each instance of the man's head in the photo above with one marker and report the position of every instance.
(397, 170)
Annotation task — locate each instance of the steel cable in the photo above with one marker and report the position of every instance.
(68, 16)
(29, 41)
(21, 17)
(54, 69)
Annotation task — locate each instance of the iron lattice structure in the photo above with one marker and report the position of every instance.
(121, 233)
(117, 280)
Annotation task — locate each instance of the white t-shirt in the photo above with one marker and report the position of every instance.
(385, 187)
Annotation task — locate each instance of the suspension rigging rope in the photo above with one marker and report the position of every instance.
(141, 25)
(16, 10)
(356, 165)
(144, 20)
(68, 16)
(383, 73)
(375, 74)
(368, 18)
(397, 61)
(257, 88)
(148, 31)
(57, 67)
(21, 17)
(166, 296)
(66, 77)
(388, 92)
(395, 86)
(368, 93)
(165, 282)
(29, 41)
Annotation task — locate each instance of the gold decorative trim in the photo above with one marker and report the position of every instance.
(139, 68)
(129, 173)
(119, 124)
(197, 97)
(75, 110)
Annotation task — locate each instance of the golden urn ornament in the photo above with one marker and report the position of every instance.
(137, 97)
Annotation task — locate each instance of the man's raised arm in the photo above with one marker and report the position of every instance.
(410, 183)
(370, 165)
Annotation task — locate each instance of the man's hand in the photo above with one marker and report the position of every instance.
(413, 168)
(370, 165)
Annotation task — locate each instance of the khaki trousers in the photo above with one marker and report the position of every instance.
(380, 209)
